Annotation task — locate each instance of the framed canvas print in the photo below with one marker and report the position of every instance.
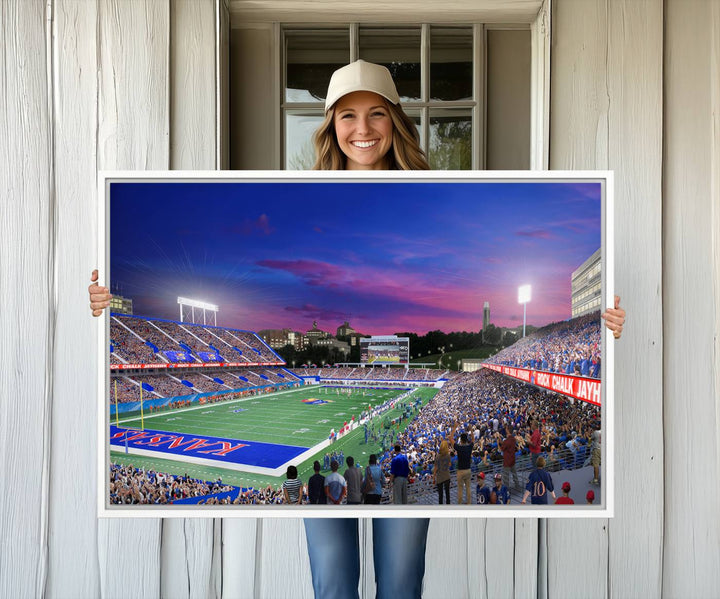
(334, 344)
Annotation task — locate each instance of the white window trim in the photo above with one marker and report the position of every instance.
(540, 89)
(383, 11)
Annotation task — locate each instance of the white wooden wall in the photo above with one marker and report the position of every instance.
(133, 85)
(606, 113)
(691, 297)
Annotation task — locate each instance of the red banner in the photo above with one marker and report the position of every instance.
(193, 365)
(577, 387)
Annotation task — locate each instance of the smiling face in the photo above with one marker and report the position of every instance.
(364, 130)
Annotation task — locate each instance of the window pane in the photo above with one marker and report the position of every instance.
(508, 100)
(311, 58)
(450, 139)
(451, 56)
(414, 115)
(299, 150)
(398, 50)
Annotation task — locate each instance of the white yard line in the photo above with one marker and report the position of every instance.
(275, 472)
(211, 405)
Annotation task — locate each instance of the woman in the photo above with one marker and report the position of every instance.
(364, 129)
(292, 487)
(441, 472)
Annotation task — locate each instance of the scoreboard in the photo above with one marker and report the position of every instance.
(389, 349)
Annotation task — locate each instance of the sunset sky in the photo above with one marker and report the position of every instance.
(387, 257)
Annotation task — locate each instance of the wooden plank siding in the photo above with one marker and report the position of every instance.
(606, 113)
(635, 138)
(189, 566)
(692, 319)
(133, 133)
(579, 102)
(112, 84)
(73, 566)
(27, 317)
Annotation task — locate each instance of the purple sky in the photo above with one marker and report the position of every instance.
(387, 257)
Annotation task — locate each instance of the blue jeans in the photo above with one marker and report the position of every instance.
(398, 552)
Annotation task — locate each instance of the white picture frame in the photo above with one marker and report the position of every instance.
(603, 507)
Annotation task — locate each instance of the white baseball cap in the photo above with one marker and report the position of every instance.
(361, 76)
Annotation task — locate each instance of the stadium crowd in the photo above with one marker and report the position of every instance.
(131, 486)
(123, 390)
(170, 385)
(129, 348)
(570, 347)
(374, 373)
(138, 340)
(482, 404)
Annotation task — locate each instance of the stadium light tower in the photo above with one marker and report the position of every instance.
(524, 293)
(192, 304)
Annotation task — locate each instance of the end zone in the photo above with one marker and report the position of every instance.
(234, 454)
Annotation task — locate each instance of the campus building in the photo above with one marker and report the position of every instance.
(121, 305)
(586, 284)
(278, 338)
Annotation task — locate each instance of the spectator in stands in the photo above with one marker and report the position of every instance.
(500, 494)
(399, 474)
(130, 485)
(534, 441)
(374, 472)
(509, 447)
(483, 492)
(441, 472)
(335, 485)
(573, 446)
(316, 486)
(353, 477)
(539, 485)
(590, 497)
(292, 487)
(570, 347)
(565, 498)
(463, 449)
(551, 460)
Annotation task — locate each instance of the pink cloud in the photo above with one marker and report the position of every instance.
(313, 272)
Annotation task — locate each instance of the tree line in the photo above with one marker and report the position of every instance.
(431, 343)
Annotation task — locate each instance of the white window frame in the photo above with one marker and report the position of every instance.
(536, 17)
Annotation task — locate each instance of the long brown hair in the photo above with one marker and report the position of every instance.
(404, 155)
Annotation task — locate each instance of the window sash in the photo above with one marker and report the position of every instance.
(424, 106)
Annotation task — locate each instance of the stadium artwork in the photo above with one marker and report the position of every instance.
(265, 325)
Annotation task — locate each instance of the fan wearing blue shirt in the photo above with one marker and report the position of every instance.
(539, 485)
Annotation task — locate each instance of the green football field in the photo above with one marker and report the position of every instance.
(282, 418)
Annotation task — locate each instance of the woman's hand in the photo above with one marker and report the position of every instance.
(615, 318)
(99, 296)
